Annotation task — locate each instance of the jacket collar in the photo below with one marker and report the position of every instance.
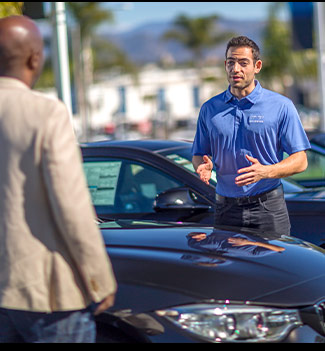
(8, 82)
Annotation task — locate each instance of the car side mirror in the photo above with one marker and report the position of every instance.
(180, 199)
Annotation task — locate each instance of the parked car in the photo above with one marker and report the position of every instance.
(318, 139)
(314, 176)
(184, 283)
(155, 179)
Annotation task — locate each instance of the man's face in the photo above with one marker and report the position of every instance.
(241, 69)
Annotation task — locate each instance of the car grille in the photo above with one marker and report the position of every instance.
(320, 310)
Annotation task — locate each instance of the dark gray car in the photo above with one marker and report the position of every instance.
(155, 179)
(189, 284)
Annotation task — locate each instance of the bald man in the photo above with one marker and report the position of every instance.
(55, 273)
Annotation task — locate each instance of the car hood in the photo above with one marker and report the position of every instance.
(192, 263)
(315, 194)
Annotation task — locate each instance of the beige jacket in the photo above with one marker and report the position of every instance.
(52, 255)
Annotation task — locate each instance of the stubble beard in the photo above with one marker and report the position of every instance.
(241, 85)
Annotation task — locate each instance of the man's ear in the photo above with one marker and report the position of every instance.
(258, 66)
(33, 61)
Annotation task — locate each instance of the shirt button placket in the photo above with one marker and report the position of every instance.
(238, 115)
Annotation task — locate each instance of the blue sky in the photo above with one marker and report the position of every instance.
(130, 14)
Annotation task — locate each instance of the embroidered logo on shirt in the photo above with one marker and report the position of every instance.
(256, 119)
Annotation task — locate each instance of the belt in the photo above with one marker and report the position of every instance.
(244, 200)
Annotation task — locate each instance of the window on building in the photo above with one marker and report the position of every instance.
(122, 97)
(161, 99)
(196, 96)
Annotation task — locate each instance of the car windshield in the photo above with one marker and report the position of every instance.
(183, 158)
(129, 223)
(316, 168)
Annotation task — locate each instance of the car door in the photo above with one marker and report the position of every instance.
(125, 188)
(314, 175)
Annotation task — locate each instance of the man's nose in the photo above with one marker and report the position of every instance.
(236, 67)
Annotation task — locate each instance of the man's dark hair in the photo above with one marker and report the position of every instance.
(244, 41)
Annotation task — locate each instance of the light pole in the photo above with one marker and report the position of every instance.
(61, 54)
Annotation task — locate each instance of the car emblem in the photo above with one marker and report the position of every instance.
(320, 309)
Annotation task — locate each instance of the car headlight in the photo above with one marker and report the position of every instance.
(234, 322)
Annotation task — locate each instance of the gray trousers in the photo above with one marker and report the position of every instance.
(264, 213)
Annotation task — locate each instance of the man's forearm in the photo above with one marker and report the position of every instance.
(295, 163)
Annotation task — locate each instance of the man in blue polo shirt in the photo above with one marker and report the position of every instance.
(244, 132)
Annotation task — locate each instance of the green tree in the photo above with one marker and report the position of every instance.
(276, 47)
(88, 16)
(108, 56)
(197, 34)
(280, 62)
(10, 8)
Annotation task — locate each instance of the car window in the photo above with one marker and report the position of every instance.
(315, 169)
(183, 158)
(124, 186)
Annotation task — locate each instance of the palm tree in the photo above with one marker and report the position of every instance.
(197, 34)
(88, 15)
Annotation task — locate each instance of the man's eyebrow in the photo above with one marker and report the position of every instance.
(240, 59)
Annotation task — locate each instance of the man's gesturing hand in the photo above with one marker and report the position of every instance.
(205, 169)
(252, 174)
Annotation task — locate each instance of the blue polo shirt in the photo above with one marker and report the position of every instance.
(264, 125)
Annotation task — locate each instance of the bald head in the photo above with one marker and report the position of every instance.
(21, 49)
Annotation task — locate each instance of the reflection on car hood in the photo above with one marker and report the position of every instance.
(209, 263)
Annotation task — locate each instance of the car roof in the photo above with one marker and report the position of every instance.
(147, 144)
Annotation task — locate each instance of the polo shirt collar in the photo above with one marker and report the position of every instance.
(252, 97)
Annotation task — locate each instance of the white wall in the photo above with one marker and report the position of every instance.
(178, 84)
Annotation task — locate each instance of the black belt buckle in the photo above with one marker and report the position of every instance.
(249, 199)
(246, 200)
